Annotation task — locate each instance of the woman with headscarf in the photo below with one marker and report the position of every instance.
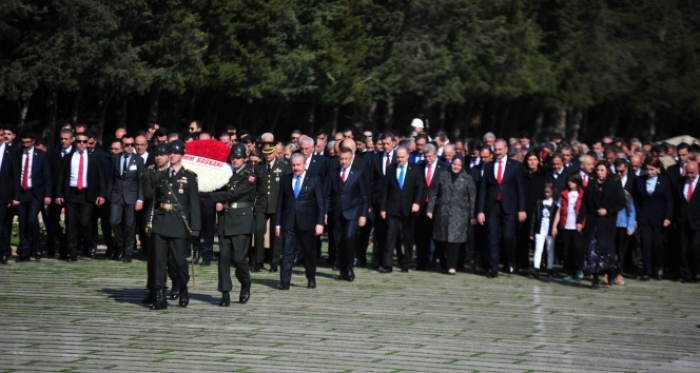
(451, 205)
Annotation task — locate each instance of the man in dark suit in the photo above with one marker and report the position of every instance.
(347, 204)
(402, 197)
(126, 197)
(627, 179)
(380, 163)
(557, 175)
(32, 191)
(269, 175)
(677, 171)
(688, 221)
(315, 165)
(431, 167)
(501, 205)
(54, 231)
(571, 164)
(299, 217)
(149, 159)
(102, 213)
(8, 176)
(80, 187)
(478, 247)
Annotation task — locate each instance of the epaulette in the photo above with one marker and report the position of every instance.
(189, 172)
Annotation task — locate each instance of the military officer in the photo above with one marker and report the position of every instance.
(176, 216)
(236, 225)
(147, 185)
(268, 174)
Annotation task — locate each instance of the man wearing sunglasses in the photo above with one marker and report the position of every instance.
(126, 197)
(54, 231)
(80, 187)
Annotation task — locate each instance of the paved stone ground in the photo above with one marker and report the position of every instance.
(87, 316)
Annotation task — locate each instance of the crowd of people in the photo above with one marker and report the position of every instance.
(613, 208)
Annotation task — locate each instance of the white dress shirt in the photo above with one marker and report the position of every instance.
(685, 187)
(495, 167)
(75, 167)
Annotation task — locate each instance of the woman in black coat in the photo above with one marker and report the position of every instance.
(451, 206)
(653, 199)
(534, 185)
(602, 201)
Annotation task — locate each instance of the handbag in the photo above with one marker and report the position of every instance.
(596, 263)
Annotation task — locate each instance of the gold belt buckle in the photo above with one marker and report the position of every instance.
(166, 206)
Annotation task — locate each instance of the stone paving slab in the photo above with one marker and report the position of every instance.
(88, 316)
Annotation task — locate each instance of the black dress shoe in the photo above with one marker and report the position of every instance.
(184, 298)
(282, 287)
(492, 274)
(93, 253)
(206, 262)
(508, 269)
(384, 270)
(4, 259)
(161, 301)
(596, 284)
(273, 269)
(225, 299)
(535, 273)
(244, 296)
(109, 253)
(37, 255)
(312, 284)
(174, 293)
(118, 256)
(351, 276)
(341, 277)
(644, 278)
(72, 259)
(255, 268)
(151, 297)
(404, 270)
(197, 257)
(127, 259)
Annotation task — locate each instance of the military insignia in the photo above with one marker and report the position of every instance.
(181, 191)
(182, 181)
(251, 178)
(277, 179)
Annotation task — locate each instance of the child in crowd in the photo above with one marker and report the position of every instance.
(541, 230)
(565, 227)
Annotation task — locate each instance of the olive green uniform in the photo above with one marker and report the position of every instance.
(235, 227)
(170, 234)
(268, 186)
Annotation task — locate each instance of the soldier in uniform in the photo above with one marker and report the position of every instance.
(176, 217)
(147, 185)
(236, 225)
(269, 173)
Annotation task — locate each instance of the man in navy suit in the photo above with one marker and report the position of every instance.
(299, 217)
(80, 187)
(347, 204)
(501, 205)
(381, 161)
(8, 176)
(32, 190)
(402, 197)
(431, 167)
(316, 165)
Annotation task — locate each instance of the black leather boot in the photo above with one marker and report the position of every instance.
(161, 301)
(184, 296)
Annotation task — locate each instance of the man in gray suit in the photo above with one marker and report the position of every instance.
(126, 198)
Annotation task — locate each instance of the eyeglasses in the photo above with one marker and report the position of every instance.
(81, 141)
(128, 144)
(621, 172)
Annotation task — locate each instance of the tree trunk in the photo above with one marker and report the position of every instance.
(575, 126)
(334, 118)
(51, 109)
(121, 115)
(371, 118)
(190, 109)
(76, 106)
(273, 124)
(154, 103)
(103, 103)
(23, 110)
(539, 119)
(389, 118)
(560, 121)
(651, 130)
(311, 117)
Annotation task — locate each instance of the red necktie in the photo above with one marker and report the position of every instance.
(585, 180)
(25, 177)
(388, 160)
(499, 177)
(342, 175)
(689, 195)
(80, 172)
(428, 179)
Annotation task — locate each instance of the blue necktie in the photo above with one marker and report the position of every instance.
(401, 177)
(297, 186)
